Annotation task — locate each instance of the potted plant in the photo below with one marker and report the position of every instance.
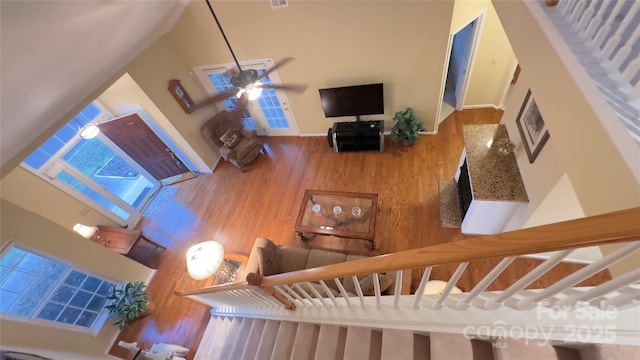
(127, 303)
(406, 127)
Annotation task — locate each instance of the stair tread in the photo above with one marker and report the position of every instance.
(331, 342)
(450, 347)
(305, 342)
(508, 349)
(241, 339)
(397, 344)
(253, 339)
(232, 333)
(362, 344)
(284, 341)
(267, 339)
(211, 347)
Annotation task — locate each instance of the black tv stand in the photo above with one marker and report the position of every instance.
(357, 136)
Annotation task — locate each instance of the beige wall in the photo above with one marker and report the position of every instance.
(29, 229)
(34, 194)
(151, 71)
(494, 59)
(125, 92)
(401, 43)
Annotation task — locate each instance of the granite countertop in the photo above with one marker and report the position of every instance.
(494, 176)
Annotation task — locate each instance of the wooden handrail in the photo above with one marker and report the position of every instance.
(615, 227)
(619, 226)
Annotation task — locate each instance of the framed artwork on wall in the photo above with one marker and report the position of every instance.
(532, 129)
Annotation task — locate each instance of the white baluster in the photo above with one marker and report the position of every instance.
(317, 294)
(452, 282)
(564, 7)
(376, 290)
(629, 296)
(343, 292)
(575, 14)
(296, 296)
(587, 16)
(569, 5)
(285, 294)
(603, 289)
(305, 295)
(356, 284)
(613, 67)
(330, 293)
(629, 73)
(423, 283)
(524, 281)
(634, 95)
(579, 275)
(615, 41)
(595, 23)
(397, 290)
(602, 33)
(485, 282)
(266, 300)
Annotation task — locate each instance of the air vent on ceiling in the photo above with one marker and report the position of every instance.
(279, 3)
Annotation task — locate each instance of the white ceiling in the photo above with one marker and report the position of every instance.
(55, 53)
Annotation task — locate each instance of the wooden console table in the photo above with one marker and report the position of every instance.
(130, 243)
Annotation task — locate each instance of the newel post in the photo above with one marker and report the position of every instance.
(256, 280)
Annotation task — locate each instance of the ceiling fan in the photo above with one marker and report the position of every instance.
(247, 82)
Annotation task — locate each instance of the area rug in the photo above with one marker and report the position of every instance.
(160, 201)
(449, 204)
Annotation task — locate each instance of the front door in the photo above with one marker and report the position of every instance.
(136, 139)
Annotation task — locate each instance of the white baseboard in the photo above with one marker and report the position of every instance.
(482, 106)
(312, 135)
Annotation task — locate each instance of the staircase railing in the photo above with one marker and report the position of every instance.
(605, 37)
(310, 293)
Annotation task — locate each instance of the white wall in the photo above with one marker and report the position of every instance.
(561, 204)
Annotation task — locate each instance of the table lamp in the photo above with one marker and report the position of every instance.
(204, 259)
(87, 232)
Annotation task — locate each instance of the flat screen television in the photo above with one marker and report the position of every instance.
(353, 100)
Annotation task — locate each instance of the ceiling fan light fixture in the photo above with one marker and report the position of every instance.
(89, 131)
(253, 91)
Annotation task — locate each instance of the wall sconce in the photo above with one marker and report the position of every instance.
(204, 259)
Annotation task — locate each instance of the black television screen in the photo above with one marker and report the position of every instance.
(352, 100)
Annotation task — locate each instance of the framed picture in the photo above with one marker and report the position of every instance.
(533, 131)
(230, 270)
(182, 97)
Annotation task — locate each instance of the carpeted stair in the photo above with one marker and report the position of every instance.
(258, 339)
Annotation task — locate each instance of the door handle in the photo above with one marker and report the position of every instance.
(173, 156)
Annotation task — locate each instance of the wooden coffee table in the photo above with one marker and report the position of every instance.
(341, 214)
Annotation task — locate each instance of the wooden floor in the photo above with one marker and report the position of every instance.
(234, 208)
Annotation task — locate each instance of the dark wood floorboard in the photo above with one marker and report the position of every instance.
(234, 208)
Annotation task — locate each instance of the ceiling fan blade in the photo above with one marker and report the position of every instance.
(215, 98)
(290, 87)
(280, 63)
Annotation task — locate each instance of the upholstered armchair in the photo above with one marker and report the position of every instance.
(236, 144)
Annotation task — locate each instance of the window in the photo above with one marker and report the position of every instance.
(39, 288)
(270, 113)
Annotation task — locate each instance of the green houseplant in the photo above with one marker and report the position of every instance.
(406, 127)
(127, 302)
